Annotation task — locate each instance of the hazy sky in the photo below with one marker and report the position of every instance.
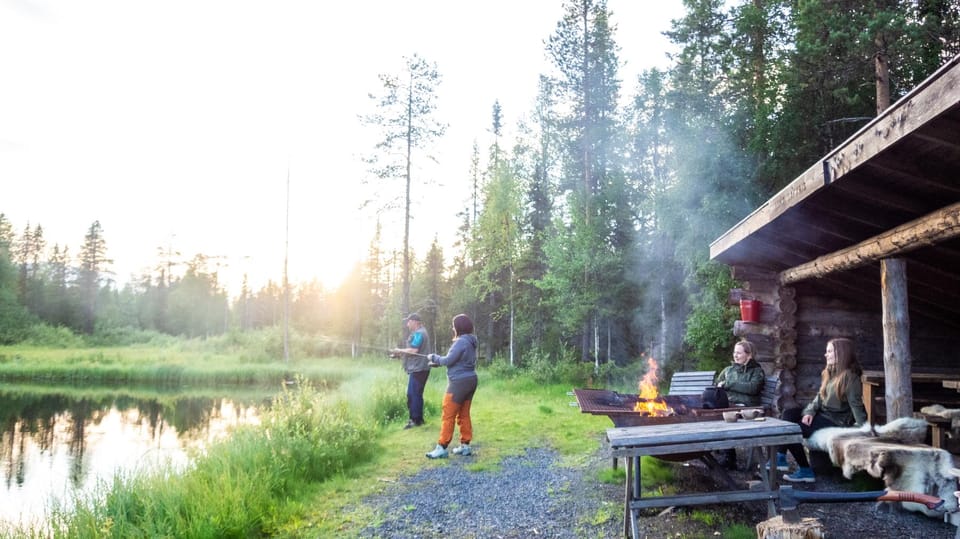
(175, 123)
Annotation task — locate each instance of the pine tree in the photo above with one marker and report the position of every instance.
(405, 116)
(93, 266)
(585, 55)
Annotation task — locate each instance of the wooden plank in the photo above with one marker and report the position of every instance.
(700, 447)
(697, 432)
(769, 392)
(923, 103)
(926, 101)
(935, 227)
(690, 382)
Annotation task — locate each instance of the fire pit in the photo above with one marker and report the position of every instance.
(624, 411)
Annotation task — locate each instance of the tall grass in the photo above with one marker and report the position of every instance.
(242, 487)
(316, 452)
(234, 359)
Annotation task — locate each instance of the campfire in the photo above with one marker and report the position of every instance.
(649, 401)
(647, 407)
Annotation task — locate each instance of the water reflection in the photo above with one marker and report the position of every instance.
(57, 442)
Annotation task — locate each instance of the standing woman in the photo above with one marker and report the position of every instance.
(461, 364)
(839, 403)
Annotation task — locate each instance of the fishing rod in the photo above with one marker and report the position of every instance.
(374, 348)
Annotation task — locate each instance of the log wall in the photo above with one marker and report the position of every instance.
(792, 333)
(774, 335)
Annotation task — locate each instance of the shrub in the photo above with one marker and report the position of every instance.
(53, 337)
(389, 402)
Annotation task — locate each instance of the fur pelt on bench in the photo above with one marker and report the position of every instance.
(894, 452)
(938, 410)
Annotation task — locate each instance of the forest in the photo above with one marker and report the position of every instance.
(585, 238)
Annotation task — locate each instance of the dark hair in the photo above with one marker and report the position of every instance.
(462, 325)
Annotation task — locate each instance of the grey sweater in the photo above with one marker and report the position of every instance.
(461, 359)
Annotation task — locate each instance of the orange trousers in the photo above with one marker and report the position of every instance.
(458, 414)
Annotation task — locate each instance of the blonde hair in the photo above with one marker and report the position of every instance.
(846, 370)
(748, 347)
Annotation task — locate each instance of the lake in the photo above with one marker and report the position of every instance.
(60, 441)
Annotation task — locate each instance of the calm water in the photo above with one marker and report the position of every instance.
(55, 444)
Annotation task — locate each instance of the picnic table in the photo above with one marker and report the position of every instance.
(924, 384)
(690, 438)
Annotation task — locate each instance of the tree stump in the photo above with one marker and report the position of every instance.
(776, 528)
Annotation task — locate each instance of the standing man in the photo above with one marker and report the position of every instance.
(415, 363)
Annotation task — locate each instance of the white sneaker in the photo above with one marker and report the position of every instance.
(463, 450)
(438, 453)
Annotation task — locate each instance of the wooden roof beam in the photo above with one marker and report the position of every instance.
(941, 225)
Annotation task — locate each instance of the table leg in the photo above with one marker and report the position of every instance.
(637, 494)
(769, 476)
(868, 400)
(763, 461)
(637, 479)
(627, 496)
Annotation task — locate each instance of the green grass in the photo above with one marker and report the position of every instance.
(189, 364)
(318, 454)
(739, 531)
(250, 485)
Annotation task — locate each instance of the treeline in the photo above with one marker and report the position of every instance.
(585, 237)
(49, 286)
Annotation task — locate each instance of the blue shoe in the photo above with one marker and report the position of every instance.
(463, 450)
(782, 464)
(438, 452)
(802, 475)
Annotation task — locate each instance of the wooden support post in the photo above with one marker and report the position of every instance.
(896, 338)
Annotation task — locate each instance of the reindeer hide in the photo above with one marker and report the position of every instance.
(895, 453)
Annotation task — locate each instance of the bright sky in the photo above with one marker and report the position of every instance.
(175, 123)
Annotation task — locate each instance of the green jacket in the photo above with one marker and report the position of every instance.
(843, 410)
(743, 383)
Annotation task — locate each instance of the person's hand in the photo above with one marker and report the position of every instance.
(719, 384)
(432, 360)
(806, 420)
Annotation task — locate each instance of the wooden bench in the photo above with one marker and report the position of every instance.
(768, 395)
(690, 382)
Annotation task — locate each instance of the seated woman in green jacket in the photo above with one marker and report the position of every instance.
(743, 380)
(839, 403)
(743, 383)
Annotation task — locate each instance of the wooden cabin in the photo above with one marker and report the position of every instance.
(864, 244)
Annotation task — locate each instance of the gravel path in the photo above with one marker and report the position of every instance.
(527, 496)
(532, 496)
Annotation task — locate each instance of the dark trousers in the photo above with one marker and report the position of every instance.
(415, 384)
(795, 415)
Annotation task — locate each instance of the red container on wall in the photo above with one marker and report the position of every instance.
(749, 310)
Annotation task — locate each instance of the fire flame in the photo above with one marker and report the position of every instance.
(650, 402)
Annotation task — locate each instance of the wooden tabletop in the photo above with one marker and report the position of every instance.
(923, 377)
(701, 435)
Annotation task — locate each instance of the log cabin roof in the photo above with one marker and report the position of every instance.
(891, 189)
